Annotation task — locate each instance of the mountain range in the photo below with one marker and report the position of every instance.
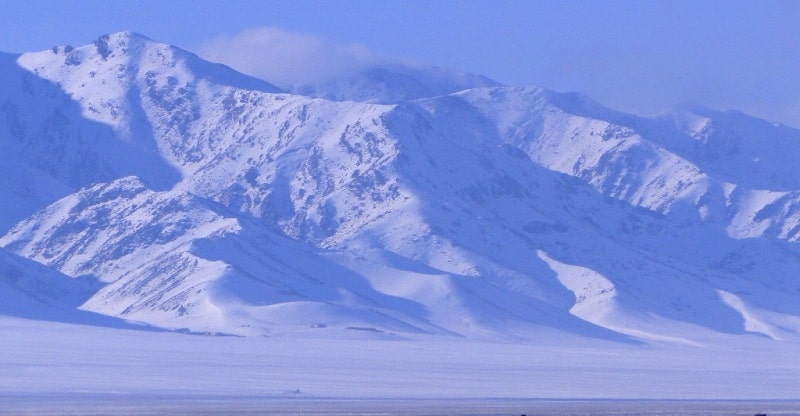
(147, 188)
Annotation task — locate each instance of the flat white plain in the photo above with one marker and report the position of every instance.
(55, 358)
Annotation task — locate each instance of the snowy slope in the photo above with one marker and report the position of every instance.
(34, 292)
(207, 200)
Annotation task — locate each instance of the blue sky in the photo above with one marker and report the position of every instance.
(636, 56)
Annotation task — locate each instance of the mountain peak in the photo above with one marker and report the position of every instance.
(102, 63)
(122, 37)
(122, 41)
(127, 35)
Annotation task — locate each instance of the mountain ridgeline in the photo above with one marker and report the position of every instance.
(144, 185)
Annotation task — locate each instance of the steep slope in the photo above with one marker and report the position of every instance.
(732, 146)
(571, 134)
(49, 149)
(180, 260)
(657, 263)
(726, 169)
(121, 76)
(28, 287)
(215, 202)
(32, 291)
(754, 160)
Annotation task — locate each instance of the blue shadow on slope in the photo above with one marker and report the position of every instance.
(30, 290)
(269, 269)
(630, 246)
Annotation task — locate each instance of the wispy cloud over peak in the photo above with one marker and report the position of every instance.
(287, 58)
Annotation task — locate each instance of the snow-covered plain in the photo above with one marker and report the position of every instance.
(141, 405)
(41, 358)
(169, 226)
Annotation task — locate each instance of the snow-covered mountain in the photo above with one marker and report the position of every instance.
(391, 82)
(190, 196)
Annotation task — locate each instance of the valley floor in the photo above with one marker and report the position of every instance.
(45, 362)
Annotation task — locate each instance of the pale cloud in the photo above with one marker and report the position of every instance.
(286, 58)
